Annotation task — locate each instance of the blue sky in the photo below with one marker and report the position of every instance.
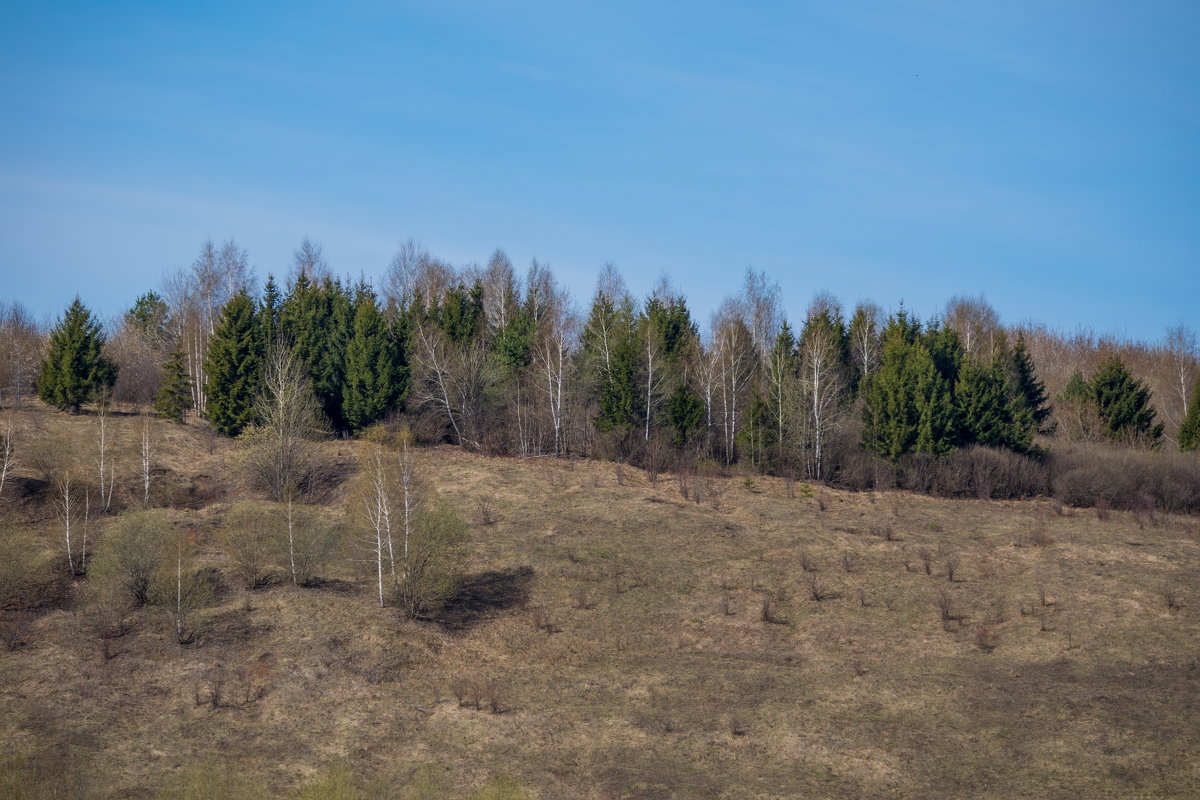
(1045, 154)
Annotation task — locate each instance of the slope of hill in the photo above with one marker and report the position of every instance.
(625, 635)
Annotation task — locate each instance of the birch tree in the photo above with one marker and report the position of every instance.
(437, 551)
(823, 381)
(864, 340)
(72, 505)
(7, 448)
(20, 349)
(146, 454)
(378, 512)
(734, 360)
(106, 471)
(451, 378)
(281, 454)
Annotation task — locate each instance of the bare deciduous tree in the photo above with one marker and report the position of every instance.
(72, 505)
(733, 354)
(500, 292)
(106, 470)
(281, 454)
(976, 323)
(195, 297)
(452, 379)
(760, 309)
(147, 458)
(179, 590)
(377, 500)
(865, 346)
(309, 260)
(21, 342)
(436, 553)
(822, 379)
(8, 440)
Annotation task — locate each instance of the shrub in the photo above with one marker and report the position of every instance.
(1086, 475)
(432, 566)
(249, 537)
(132, 551)
(28, 578)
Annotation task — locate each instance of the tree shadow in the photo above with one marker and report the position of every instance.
(484, 593)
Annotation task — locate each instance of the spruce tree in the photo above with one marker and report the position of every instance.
(174, 394)
(1026, 389)
(268, 314)
(608, 348)
(908, 403)
(513, 345)
(373, 380)
(1189, 431)
(317, 321)
(986, 413)
(684, 412)
(1123, 403)
(75, 368)
(234, 367)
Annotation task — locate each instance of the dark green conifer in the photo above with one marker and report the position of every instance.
(174, 395)
(1123, 403)
(1027, 390)
(233, 370)
(75, 368)
(985, 410)
(268, 314)
(1189, 430)
(374, 381)
(908, 404)
(684, 412)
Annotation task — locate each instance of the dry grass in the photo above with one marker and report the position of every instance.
(636, 657)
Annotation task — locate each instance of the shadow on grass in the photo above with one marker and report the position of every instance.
(486, 592)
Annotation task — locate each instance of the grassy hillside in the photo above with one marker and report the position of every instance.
(622, 640)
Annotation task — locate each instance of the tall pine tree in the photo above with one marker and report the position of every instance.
(234, 367)
(75, 368)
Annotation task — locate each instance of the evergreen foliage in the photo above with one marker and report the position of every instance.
(460, 313)
(268, 313)
(375, 379)
(1027, 390)
(990, 413)
(684, 412)
(149, 317)
(908, 403)
(1189, 430)
(75, 368)
(174, 395)
(234, 367)
(513, 344)
(609, 349)
(317, 322)
(1123, 403)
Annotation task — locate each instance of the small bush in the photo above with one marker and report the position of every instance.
(819, 590)
(952, 564)
(986, 638)
(770, 614)
(1040, 537)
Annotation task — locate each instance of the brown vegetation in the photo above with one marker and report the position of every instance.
(600, 645)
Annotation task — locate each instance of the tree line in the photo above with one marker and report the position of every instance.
(486, 360)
